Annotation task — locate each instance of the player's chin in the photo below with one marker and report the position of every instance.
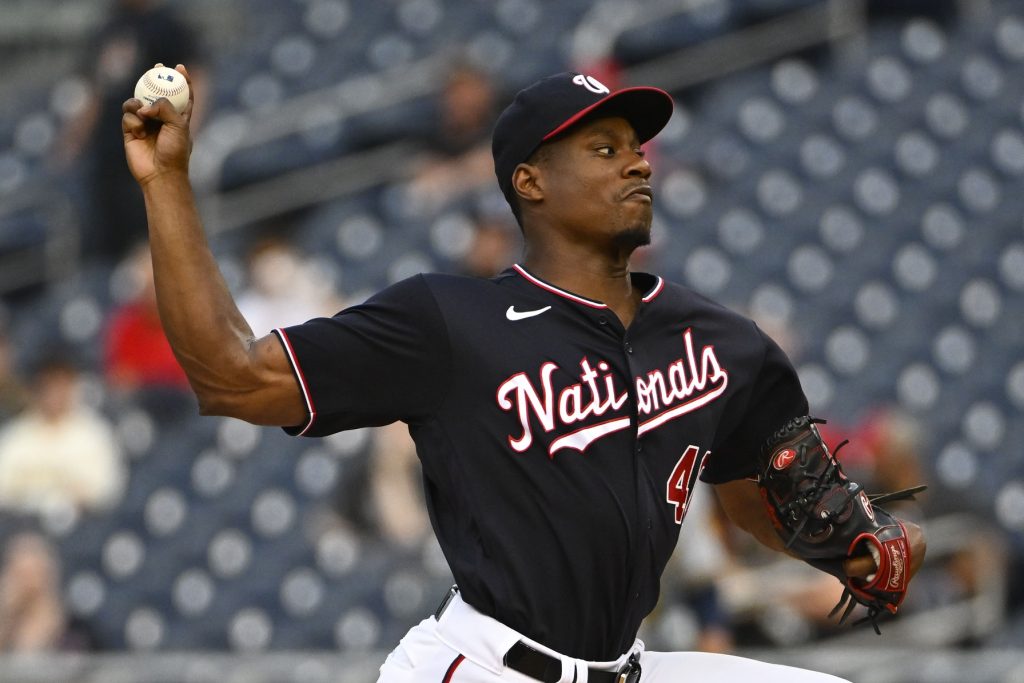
(633, 237)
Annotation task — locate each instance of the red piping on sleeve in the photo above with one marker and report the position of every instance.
(303, 385)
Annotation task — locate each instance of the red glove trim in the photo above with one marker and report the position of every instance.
(893, 573)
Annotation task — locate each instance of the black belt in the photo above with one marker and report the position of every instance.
(543, 667)
(535, 664)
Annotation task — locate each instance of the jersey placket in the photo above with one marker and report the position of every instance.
(640, 523)
(643, 522)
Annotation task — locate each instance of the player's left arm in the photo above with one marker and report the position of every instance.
(745, 508)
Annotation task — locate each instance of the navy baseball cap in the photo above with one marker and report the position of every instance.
(554, 104)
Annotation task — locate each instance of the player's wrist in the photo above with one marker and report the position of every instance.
(166, 179)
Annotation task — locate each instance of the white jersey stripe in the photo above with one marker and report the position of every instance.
(581, 438)
(555, 290)
(655, 291)
(682, 409)
(300, 377)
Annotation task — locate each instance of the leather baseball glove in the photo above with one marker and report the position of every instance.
(825, 518)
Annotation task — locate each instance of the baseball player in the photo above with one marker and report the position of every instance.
(562, 411)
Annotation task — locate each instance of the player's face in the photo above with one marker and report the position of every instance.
(596, 182)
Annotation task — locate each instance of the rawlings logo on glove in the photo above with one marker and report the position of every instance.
(825, 519)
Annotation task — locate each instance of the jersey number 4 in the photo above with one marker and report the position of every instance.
(683, 479)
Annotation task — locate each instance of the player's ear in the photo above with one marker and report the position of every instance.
(527, 182)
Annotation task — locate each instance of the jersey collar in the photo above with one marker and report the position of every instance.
(654, 291)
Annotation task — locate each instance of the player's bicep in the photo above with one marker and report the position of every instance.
(271, 394)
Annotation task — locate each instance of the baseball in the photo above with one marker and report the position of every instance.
(162, 81)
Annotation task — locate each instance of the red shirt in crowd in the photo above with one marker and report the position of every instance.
(138, 353)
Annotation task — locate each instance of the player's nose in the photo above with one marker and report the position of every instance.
(638, 167)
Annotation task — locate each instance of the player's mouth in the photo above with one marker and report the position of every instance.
(643, 193)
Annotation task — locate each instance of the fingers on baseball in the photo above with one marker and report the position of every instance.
(161, 111)
(131, 106)
(131, 123)
(187, 113)
(860, 567)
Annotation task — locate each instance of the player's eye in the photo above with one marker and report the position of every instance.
(607, 150)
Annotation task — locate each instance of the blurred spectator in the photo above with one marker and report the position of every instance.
(884, 454)
(58, 456)
(13, 395)
(794, 611)
(458, 159)
(1015, 579)
(284, 289)
(32, 617)
(493, 247)
(691, 577)
(397, 495)
(137, 35)
(380, 495)
(137, 354)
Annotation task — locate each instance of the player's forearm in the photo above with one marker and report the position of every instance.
(742, 504)
(209, 336)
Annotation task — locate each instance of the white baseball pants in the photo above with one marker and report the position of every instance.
(464, 646)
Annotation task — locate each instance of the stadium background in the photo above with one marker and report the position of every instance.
(847, 171)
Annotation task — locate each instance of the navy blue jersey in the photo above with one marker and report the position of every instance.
(559, 449)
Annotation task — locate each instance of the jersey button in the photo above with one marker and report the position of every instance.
(629, 348)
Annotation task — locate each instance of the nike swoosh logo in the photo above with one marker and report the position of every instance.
(513, 314)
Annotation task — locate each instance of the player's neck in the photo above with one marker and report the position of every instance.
(590, 275)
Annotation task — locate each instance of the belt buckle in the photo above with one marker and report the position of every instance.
(630, 673)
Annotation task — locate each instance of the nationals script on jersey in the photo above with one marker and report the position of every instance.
(559, 449)
(687, 384)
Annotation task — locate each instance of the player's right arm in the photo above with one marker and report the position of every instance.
(231, 372)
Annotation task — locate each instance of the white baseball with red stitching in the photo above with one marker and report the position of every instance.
(162, 81)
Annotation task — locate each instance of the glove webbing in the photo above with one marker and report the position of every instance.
(904, 494)
(847, 599)
(850, 603)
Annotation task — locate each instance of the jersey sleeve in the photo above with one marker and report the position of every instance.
(772, 398)
(385, 360)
